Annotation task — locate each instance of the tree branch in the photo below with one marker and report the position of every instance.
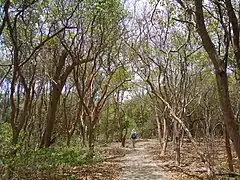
(206, 40)
(6, 7)
(235, 28)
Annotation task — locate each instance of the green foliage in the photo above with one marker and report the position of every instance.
(5, 141)
(39, 159)
(120, 76)
(140, 116)
(48, 158)
(227, 178)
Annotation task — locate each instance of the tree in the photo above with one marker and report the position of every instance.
(165, 64)
(24, 47)
(220, 63)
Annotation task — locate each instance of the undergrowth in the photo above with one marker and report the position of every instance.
(47, 158)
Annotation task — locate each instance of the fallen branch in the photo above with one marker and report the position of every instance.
(181, 170)
(113, 157)
(230, 174)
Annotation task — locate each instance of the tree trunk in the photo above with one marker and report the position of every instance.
(68, 140)
(58, 81)
(83, 128)
(229, 151)
(220, 66)
(165, 137)
(70, 129)
(18, 126)
(106, 126)
(90, 139)
(124, 138)
(177, 149)
(14, 109)
(158, 126)
(176, 143)
(231, 124)
(182, 137)
(51, 117)
(39, 118)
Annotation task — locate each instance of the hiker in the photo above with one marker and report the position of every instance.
(133, 137)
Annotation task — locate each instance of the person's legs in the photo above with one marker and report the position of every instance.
(133, 142)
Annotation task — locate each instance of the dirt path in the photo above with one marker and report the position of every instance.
(139, 164)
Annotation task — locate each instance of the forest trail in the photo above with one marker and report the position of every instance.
(140, 165)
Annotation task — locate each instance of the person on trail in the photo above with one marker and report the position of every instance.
(133, 137)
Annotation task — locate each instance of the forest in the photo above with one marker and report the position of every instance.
(77, 76)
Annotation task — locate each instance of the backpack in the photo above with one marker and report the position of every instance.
(134, 135)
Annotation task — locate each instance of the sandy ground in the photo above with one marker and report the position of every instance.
(138, 164)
